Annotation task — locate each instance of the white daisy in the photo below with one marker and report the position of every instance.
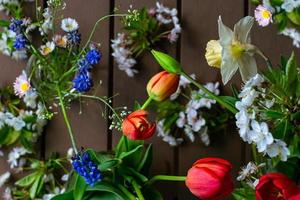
(47, 48)
(69, 25)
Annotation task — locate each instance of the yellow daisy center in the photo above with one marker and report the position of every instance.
(24, 87)
(47, 50)
(265, 14)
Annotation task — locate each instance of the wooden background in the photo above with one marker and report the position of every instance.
(199, 23)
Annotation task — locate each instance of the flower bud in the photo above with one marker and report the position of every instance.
(136, 126)
(209, 178)
(213, 53)
(162, 85)
(167, 62)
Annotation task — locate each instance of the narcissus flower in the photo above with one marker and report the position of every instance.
(136, 126)
(263, 15)
(21, 85)
(162, 85)
(276, 186)
(47, 48)
(237, 52)
(213, 53)
(209, 179)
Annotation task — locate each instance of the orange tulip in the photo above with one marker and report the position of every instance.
(162, 85)
(136, 126)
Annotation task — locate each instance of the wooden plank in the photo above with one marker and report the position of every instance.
(131, 89)
(90, 126)
(200, 26)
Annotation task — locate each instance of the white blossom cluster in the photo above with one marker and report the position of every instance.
(123, 55)
(5, 4)
(248, 173)
(290, 5)
(191, 119)
(166, 15)
(252, 130)
(166, 136)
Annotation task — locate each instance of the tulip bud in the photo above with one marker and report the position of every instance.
(276, 186)
(213, 53)
(136, 126)
(167, 62)
(209, 178)
(162, 85)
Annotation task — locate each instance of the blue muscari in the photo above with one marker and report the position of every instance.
(82, 82)
(16, 25)
(74, 37)
(86, 168)
(84, 66)
(20, 42)
(93, 56)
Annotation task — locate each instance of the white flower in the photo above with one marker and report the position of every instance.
(69, 25)
(256, 80)
(293, 34)
(65, 177)
(278, 148)
(166, 137)
(242, 122)
(263, 15)
(290, 5)
(47, 48)
(21, 85)
(250, 169)
(123, 55)
(181, 121)
(30, 99)
(60, 41)
(7, 194)
(204, 136)
(70, 153)
(189, 133)
(260, 135)
(206, 101)
(196, 122)
(15, 155)
(4, 178)
(248, 96)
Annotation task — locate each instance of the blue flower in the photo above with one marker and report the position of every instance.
(74, 37)
(84, 66)
(15, 25)
(86, 168)
(93, 56)
(82, 82)
(20, 42)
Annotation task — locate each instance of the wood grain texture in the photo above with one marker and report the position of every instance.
(90, 126)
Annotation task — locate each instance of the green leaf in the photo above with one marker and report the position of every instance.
(137, 105)
(281, 129)
(146, 161)
(131, 152)
(109, 164)
(289, 168)
(151, 194)
(107, 187)
(64, 196)
(291, 69)
(229, 100)
(79, 188)
(167, 62)
(4, 23)
(4, 131)
(12, 137)
(245, 193)
(27, 180)
(36, 186)
(294, 16)
(274, 114)
(103, 196)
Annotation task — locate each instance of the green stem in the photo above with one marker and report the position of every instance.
(62, 106)
(147, 103)
(95, 27)
(137, 190)
(254, 153)
(126, 192)
(210, 94)
(165, 178)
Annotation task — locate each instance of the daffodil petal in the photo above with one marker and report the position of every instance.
(247, 67)
(228, 66)
(225, 33)
(242, 29)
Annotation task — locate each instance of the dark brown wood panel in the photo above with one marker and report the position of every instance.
(90, 126)
(200, 26)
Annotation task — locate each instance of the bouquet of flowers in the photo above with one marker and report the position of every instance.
(147, 30)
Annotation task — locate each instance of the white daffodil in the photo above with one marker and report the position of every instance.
(237, 52)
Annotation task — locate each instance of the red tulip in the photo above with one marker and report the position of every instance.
(295, 197)
(209, 179)
(276, 186)
(136, 126)
(162, 85)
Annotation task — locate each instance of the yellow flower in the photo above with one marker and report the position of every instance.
(213, 53)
